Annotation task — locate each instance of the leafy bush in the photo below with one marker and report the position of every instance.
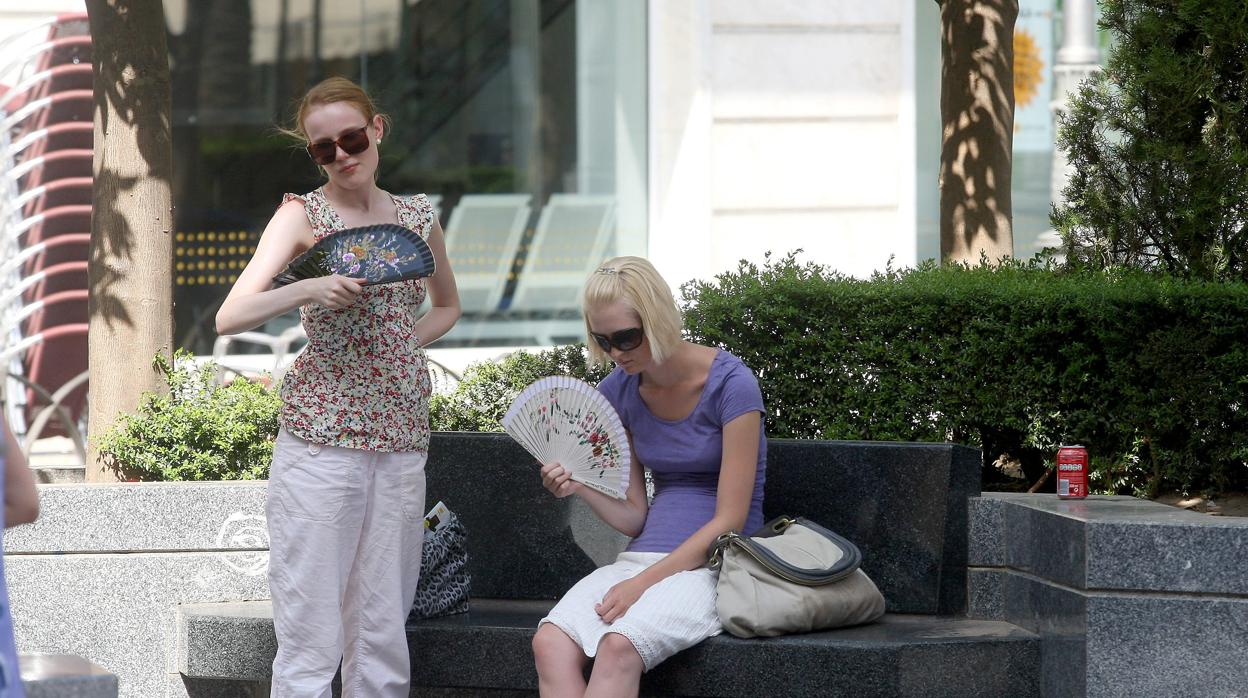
(1158, 143)
(198, 431)
(1150, 372)
(488, 388)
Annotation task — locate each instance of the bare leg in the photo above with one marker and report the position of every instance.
(560, 663)
(617, 669)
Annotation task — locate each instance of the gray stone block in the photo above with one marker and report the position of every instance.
(488, 648)
(1163, 646)
(1059, 616)
(903, 504)
(1130, 645)
(1110, 543)
(234, 640)
(986, 535)
(216, 688)
(65, 676)
(985, 590)
(487, 652)
(71, 595)
(1203, 554)
(147, 516)
(522, 543)
(1107, 583)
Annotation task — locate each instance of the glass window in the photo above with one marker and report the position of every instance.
(1034, 54)
(523, 120)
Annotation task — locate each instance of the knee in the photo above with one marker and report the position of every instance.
(617, 654)
(550, 647)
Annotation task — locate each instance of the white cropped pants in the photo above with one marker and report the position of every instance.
(345, 530)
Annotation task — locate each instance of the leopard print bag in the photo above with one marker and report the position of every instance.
(444, 580)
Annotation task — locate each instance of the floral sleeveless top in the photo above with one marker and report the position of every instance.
(363, 380)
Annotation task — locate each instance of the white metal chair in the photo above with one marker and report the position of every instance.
(482, 238)
(573, 235)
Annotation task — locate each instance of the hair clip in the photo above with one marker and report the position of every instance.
(607, 270)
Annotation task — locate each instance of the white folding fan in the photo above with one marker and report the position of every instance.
(564, 420)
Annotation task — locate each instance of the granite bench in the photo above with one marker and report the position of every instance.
(64, 676)
(1129, 597)
(904, 504)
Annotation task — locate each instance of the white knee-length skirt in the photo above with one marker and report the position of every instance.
(675, 614)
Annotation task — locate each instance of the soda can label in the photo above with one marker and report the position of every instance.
(1072, 472)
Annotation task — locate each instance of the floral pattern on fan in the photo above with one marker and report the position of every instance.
(564, 420)
(376, 253)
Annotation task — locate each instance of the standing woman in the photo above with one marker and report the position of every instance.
(694, 419)
(347, 485)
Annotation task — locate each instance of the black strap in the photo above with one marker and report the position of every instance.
(851, 556)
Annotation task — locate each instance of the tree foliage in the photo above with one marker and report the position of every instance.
(1158, 143)
(488, 388)
(199, 430)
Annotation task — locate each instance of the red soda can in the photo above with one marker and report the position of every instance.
(1072, 472)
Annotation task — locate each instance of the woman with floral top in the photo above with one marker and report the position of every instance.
(347, 485)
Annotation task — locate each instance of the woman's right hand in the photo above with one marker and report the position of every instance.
(559, 481)
(334, 291)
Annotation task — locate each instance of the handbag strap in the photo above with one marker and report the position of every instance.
(851, 556)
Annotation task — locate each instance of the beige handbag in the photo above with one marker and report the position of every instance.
(791, 576)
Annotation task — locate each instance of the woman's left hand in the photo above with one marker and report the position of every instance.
(619, 599)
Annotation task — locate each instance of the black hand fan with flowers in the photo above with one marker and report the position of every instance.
(379, 254)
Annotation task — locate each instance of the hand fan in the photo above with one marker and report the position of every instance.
(564, 420)
(380, 254)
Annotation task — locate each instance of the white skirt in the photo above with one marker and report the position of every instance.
(675, 614)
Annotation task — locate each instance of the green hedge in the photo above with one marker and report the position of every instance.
(1149, 372)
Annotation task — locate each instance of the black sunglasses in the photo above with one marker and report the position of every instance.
(351, 142)
(624, 340)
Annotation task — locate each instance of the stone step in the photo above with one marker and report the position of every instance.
(487, 651)
(65, 676)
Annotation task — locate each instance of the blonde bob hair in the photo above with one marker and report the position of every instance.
(635, 281)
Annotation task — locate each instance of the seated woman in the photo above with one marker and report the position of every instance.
(694, 418)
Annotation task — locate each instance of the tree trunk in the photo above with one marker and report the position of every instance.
(131, 259)
(977, 137)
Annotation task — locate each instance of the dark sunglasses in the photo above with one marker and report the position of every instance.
(624, 340)
(352, 143)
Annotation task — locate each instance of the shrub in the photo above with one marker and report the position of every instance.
(198, 430)
(488, 388)
(1149, 372)
(1158, 143)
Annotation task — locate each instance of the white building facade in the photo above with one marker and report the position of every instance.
(552, 133)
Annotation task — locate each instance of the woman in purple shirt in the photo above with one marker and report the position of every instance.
(694, 418)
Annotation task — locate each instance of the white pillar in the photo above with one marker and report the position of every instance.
(679, 98)
(1077, 59)
(611, 113)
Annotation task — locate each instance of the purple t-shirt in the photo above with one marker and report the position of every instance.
(684, 456)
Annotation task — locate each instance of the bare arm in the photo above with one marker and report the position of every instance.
(626, 516)
(21, 498)
(443, 293)
(252, 301)
(737, 474)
